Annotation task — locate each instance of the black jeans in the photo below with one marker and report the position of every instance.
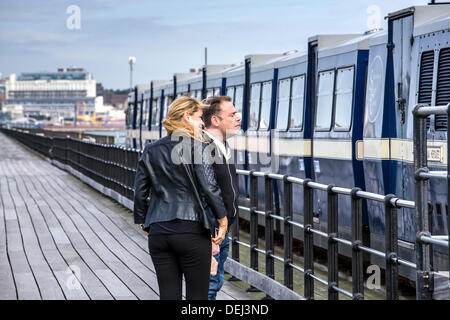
(187, 254)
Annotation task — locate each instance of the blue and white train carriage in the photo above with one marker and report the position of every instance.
(408, 65)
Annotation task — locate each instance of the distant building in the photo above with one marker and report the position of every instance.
(116, 100)
(53, 94)
(99, 89)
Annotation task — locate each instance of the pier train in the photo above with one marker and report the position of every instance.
(339, 113)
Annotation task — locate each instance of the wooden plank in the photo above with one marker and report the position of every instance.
(8, 291)
(104, 240)
(118, 267)
(261, 281)
(60, 267)
(441, 286)
(46, 281)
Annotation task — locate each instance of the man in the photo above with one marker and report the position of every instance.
(221, 122)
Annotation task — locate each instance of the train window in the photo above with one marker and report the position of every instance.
(155, 111)
(138, 114)
(209, 93)
(266, 101)
(255, 102)
(325, 100)
(297, 102)
(344, 99)
(216, 92)
(238, 98)
(230, 93)
(129, 116)
(284, 91)
(167, 102)
(198, 94)
(145, 113)
(192, 94)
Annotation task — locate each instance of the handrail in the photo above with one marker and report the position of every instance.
(422, 175)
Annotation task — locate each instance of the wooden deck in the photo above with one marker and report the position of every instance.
(61, 239)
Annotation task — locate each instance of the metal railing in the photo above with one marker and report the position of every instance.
(115, 168)
(424, 238)
(391, 204)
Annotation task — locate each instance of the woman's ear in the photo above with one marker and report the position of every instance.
(186, 117)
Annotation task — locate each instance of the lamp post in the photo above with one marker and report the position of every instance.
(131, 61)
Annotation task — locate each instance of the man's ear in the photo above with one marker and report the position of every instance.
(214, 121)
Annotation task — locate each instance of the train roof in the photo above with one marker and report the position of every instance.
(184, 78)
(360, 42)
(427, 19)
(255, 60)
(219, 72)
(234, 69)
(431, 18)
(272, 63)
(291, 59)
(159, 84)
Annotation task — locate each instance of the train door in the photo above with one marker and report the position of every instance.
(310, 107)
(400, 31)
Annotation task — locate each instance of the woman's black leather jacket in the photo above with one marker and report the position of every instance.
(165, 173)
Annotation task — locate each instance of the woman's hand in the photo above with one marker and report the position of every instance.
(223, 225)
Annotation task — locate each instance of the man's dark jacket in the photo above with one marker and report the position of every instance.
(227, 181)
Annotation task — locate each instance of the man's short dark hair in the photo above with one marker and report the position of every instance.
(213, 108)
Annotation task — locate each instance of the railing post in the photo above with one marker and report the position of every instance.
(235, 230)
(391, 240)
(332, 244)
(448, 183)
(423, 291)
(287, 239)
(357, 255)
(308, 199)
(268, 192)
(235, 233)
(253, 221)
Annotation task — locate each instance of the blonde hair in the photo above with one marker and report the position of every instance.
(174, 120)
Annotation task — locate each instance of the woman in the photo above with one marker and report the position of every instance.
(181, 192)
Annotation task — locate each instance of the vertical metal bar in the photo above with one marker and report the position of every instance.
(332, 244)
(235, 234)
(253, 221)
(235, 231)
(391, 240)
(357, 255)
(430, 226)
(421, 202)
(270, 263)
(309, 239)
(448, 184)
(287, 239)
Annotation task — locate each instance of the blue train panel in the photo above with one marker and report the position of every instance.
(341, 79)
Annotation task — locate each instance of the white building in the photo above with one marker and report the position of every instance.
(53, 94)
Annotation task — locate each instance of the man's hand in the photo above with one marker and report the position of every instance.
(223, 224)
(142, 227)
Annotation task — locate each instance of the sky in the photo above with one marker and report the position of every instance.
(168, 36)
